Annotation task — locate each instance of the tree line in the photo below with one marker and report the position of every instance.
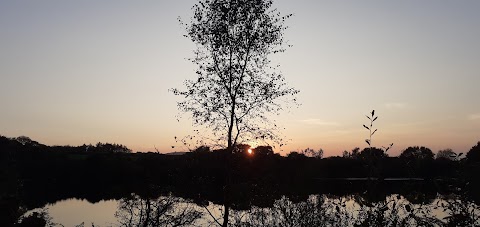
(33, 174)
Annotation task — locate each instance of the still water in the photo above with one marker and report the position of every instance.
(73, 212)
(315, 210)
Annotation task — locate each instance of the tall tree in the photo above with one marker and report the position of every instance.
(236, 89)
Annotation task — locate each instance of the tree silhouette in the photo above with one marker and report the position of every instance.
(372, 153)
(309, 152)
(372, 157)
(264, 151)
(202, 149)
(236, 89)
(417, 153)
(447, 154)
(473, 154)
(241, 148)
(418, 160)
(24, 140)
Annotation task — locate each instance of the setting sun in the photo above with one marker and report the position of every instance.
(250, 151)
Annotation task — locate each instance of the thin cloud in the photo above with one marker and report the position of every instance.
(396, 105)
(474, 117)
(315, 121)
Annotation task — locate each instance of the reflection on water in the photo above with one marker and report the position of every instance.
(351, 211)
(316, 210)
(163, 211)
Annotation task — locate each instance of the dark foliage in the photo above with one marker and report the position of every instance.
(417, 153)
(32, 176)
(474, 154)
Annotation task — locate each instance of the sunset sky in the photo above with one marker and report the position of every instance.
(75, 72)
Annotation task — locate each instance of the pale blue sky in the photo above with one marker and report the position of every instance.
(74, 72)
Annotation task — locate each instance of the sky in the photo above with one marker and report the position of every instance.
(81, 72)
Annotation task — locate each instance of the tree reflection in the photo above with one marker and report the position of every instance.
(163, 211)
(315, 211)
(460, 212)
(395, 210)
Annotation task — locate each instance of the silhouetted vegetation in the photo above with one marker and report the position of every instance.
(447, 154)
(236, 88)
(162, 211)
(33, 174)
(473, 154)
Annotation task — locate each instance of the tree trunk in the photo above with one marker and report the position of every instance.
(226, 189)
(225, 215)
(231, 145)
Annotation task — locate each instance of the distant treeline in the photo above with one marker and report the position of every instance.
(29, 144)
(35, 174)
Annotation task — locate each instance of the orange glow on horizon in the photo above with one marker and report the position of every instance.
(250, 151)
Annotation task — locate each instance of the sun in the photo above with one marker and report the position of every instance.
(250, 151)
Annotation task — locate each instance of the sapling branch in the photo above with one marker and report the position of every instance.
(372, 118)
